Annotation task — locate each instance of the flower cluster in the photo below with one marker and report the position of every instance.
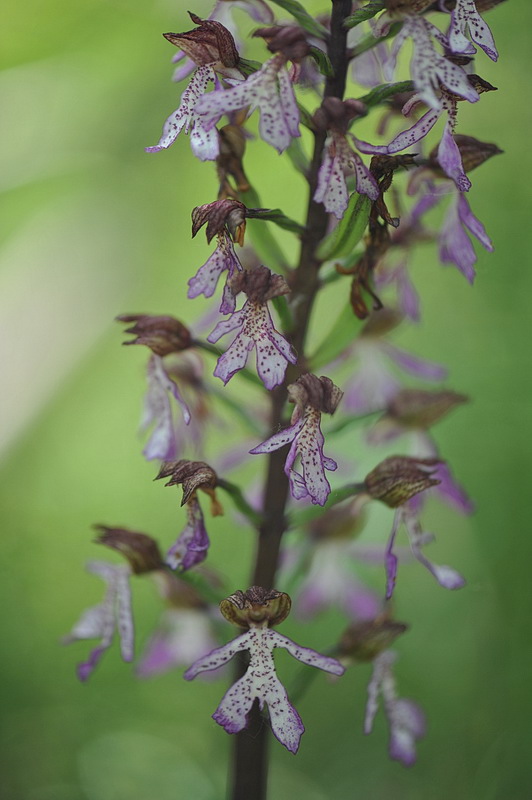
(364, 220)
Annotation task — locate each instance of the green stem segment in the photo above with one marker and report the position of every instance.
(249, 775)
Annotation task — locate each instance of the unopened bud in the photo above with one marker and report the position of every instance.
(163, 335)
(290, 40)
(419, 408)
(335, 114)
(192, 475)
(256, 607)
(398, 478)
(364, 641)
(210, 43)
(227, 214)
(139, 549)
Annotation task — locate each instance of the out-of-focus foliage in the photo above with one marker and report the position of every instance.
(93, 227)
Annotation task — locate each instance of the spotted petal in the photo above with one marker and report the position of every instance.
(465, 17)
(204, 142)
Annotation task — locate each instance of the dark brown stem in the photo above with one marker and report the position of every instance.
(249, 778)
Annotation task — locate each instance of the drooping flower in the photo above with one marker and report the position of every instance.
(374, 384)
(413, 410)
(164, 335)
(256, 609)
(406, 720)
(203, 141)
(212, 48)
(369, 641)
(191, 547)
(326, 556)
(270, 90)
(455, 245)
(464, 18)
(429, 69)
(114, 613)
(225, 219)
(255, 329)
(448, 154)
(411, 413)
(394, 482)
(312, 396)
(339, 159)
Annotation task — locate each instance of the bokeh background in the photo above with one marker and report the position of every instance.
(93, 227)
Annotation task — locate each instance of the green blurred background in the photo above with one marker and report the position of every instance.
(93, 227)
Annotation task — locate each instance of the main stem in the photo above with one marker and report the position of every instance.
(250, 773)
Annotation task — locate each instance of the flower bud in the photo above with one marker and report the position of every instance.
(363, 641)
(192, 475)
(290, 40)
(320, 393)
(163, 335)
(210, 43)
(380, 322)
(335, 114)
(257, 607)
(472, 151)
(140, 550)
(219, 216)
(398, 478)
(420, 408)
(229, 161)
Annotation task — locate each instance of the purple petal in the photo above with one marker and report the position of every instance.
(455, 245)
(465, 16)
(331, 189)
(451, 491)
(428, 67)
(446, 576)
(162, 443)
(206, 278)
(124, 616)
(381, 667)
(420, 367)
(204, 142)
(279, 439)
(224, 327)
(306, 655)
(193, 543)
(474, 225)
(407, 724)
(391, 559)
(406, 138)
(234, 358)
(288, 103)
(233, 711)
(257, 10)
(216, 658)
(309, 446)
(450, 160)
(260, 90)
(373, 384)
